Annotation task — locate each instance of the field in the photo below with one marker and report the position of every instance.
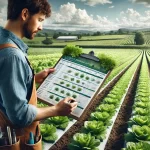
(105, 40)
(118, 117)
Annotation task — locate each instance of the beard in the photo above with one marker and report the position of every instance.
(28, 33)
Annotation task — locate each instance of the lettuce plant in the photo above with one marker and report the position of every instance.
(141, 104)
(48, 132)
(142, 99)
(111, 101)
(96, 128)
(60, 122)
(109, 108)
(139, 120)
(141, 111)
(83, 141)
(101, 116)
(138, 133)
(137, 146)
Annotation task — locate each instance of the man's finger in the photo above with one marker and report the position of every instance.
(69, 99)
(74, 104)
(49, 70)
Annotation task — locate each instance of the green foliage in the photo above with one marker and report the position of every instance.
(101, 116)
(138, 133)
(141, 111)
(40, 104)
(141, 104)
(109, 108)
(113, 101)
(47, 41)
(137, 146)
(139, 38)
(60, 122)
(71, 50)
(96, 128)
(106, 62)
(55, 36)
(48, 132)
(83, 141)
(139, 120)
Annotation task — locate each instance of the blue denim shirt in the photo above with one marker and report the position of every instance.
(15, 81)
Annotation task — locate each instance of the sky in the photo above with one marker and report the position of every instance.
(93, 15)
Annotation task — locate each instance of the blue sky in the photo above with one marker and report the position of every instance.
(95, 15)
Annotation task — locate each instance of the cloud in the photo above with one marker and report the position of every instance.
(3, 16)
(111, 6)
(145, 2)
(133, 19)
(131, 14)
(69, 15)
(96, 2)
(72, 18)
(3, 12)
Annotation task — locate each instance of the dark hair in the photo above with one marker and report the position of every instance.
(34, 6)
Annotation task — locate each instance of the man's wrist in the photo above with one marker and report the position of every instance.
(55, 111)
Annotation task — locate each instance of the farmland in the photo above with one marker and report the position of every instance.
(103, 40)
(118, 116)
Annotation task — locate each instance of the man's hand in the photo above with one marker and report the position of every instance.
(39, 77)
(63, 108)
(66, 106)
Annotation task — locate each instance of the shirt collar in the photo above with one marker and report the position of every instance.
(16, 40)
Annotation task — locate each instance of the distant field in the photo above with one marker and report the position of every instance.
(111, 40)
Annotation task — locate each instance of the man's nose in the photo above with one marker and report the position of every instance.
(40, 27)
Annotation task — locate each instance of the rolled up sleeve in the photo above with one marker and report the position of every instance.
(13, 92)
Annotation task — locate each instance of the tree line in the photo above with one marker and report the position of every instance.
(138, 38)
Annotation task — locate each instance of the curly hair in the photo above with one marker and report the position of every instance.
(34, 6)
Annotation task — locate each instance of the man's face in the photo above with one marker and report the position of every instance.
(32, 25)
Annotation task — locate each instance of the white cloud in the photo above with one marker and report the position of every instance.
(96, 2)
(111, 6)
(3, 12)
(3, 16)
(68, 13)
(133, 19)
(131, 14)
(145, 2)
(73, 17)
(147, 13)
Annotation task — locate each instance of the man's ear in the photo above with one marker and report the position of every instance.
(24, 14)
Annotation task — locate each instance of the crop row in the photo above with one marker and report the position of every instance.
(138, 135)
(118, 69)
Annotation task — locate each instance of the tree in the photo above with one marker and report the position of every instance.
(139, 38)
(46, 35)
(79, 36)
(97, 33)
(55, 36)
(40, 35)
(47, 41)
(120, 31)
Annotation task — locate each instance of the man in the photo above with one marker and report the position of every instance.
(17, 89)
